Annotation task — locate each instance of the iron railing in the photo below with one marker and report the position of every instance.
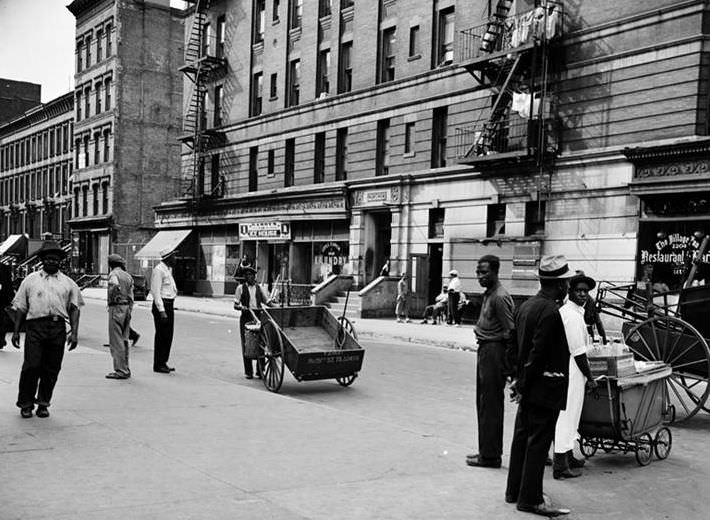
(515, 134)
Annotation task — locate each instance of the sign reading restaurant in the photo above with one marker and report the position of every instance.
(273, 230)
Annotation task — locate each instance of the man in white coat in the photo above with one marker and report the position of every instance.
(580, 376)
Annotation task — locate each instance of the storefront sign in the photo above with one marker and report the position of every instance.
(273, 230)
(330, 249)
(377, 197)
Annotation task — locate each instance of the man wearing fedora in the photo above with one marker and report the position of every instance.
(540, 388)
(164, 291)
(249, 296)
(580, 376)
(454, 298)
(45, 301)
(120, 306)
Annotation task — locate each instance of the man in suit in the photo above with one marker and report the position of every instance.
(540, 388)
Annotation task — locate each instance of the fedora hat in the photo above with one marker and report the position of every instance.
(167, 252)
(50, 246)
(580, 277)
(554, 267)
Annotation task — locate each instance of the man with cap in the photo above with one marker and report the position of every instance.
(45, 301)
(120, 306)
(454, 298)
(249, 296)
(580, 376)
(164, 291)
(541, 387)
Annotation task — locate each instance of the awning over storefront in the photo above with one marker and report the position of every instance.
(14, 244)
(163, 240)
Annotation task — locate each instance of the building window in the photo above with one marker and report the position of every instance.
(218, 99)
(495, 221)
(436, 222)
(296, 13)
(206, 37)
(445, 37)
(253, 168)
(270, 163)
(107, 91)
(87, 101)
(97, 97)
(87, 44)
(95, 190)
(78, 106)
(76, 202)
(294, 83)
(382, 153)
(273, 89)
(259, 20)
(85, 200)
(107, 136)
(414, 41)
(409, 138)
(97, 148)
(108, 39)
(289, 162)
(257, 87)
(387, 55)
(322, 83)
(104, 198)
(86, 151)
(344, 4)
(275, 11)
(200, 188)
(79, 56)
(319, 158)
(77, 151)
(535, 217)
(221, 35)
(99, 43)
(438, 137)
(324, 8)
(341, 154)
(345, 72)
(217, 189)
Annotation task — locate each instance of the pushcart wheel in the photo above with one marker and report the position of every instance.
(345, 326)
(588, 447)
(608, 446)
(680, 345)
(346, 380)
(662, 443)
(644, 449)
(271, 357)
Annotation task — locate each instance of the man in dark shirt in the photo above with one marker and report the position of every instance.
(541, 387)
(494, 335)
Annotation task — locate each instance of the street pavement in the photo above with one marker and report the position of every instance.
(204, 443)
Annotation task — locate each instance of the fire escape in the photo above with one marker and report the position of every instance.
(511, 55)
(205, 63)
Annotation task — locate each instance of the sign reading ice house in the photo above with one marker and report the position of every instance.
(270, 230)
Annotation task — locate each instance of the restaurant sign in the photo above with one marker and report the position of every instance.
(273, 230)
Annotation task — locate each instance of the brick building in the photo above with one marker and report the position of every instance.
(435, 131)
(128, 99)
(16, 97)
(35, 167)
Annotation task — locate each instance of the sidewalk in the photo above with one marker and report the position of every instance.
(375, 329)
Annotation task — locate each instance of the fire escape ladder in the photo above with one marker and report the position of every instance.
(495, 25)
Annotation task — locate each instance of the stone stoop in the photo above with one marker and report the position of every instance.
(337, 304)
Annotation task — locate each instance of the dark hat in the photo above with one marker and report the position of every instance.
(580, 277)
(116, 259)
(50, 246)
(553, 267)
(249, 269)
(167, 252)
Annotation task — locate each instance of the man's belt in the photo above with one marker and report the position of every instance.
(119, 302)
(48, 318)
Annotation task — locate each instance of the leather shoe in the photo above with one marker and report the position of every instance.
(170, 369)
(510, 499)
(42, 412)
(249, 376)
(478, 462)
(115, 375)
(26, 413)
(162, 370)
(543, 510)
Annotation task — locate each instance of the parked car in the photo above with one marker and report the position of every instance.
(140, 287)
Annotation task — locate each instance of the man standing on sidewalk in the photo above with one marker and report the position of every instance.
(120, 306)
(45, 301)
(454, 298)
(494, 333)
(164, 291)
(541, 387)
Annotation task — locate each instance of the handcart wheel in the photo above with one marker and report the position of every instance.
(271, 357)
(608, 446)
(345, 326)
(680, 345)
(662, 443)
(644, 449)
(346, 380)
(587, 446)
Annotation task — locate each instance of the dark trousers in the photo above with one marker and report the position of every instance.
(44, 351)
(132, 335)
(490, 396)
(163, 334)
(533, 435)
(454, 315)
(245, 318)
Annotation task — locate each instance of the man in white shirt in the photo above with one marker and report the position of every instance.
(249, 295)
(164, 291)
(572, 312)
(454, 298)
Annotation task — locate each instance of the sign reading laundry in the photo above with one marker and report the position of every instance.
(272, 229)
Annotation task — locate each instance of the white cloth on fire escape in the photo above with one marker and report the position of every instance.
(521, 104)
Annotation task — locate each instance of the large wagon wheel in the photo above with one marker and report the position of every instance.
(680, 345)
(345, 327)
(271, 357)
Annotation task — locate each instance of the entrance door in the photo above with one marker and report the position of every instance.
(419, 283)
(378, 243)
(436, 255)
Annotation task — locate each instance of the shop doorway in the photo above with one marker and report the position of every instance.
(278, 264)
(435, 280)
(378, 246)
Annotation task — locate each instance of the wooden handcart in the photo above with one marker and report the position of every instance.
(626, 415)
(311, 342)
